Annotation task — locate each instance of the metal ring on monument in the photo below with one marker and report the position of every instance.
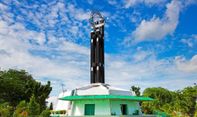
(96, 19)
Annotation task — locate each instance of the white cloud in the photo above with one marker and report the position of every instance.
(15, 53)
(189, 2)
(72, 47)
(129, 3)
(142, 55)
(157, 28)
(53, 18)
(154, 1)
(112, 2)
(135, 17)
(82, 15)
(190, 41)
(189, 66)
(132, 3)
(18, 30)
(148, 73)
(3, 7)
(90, 1)
(78, 13)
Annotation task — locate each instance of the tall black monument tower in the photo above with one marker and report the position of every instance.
(97, 48)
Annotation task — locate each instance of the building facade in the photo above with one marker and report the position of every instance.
(101, 100)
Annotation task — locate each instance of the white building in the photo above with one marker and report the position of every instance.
(100, 100)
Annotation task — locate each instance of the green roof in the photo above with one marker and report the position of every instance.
(121, 97)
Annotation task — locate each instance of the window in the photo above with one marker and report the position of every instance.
(89, 109)
(123, 108)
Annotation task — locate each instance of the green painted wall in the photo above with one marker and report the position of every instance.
(116, 108)
(104, 107)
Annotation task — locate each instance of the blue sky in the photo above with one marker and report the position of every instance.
(148, 43)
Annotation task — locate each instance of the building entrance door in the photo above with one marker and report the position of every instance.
(89, 109)
(124, 109)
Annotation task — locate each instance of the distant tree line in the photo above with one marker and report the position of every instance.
(22, 96)
(180, 103)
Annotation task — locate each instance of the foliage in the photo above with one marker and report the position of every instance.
(45, 113)
(190, 94)
(5, 110)
(12, 86)
(18, 85)
(21, 109)
(41, 92)
(136, 90)
(33, 107)
(195, 111)
(174, 103)
(21, 95)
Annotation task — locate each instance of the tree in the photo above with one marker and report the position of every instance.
(5, 110)
(195, 115)
(12, 86)
(21, 109)
(136, 90)
(190, 96)
(33, 107)
(26, 95)
(161, 97)
(161, 94)
(175, 103)
(18, 85)
(30, 109)
(42, 92)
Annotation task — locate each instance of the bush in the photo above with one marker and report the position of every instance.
(5, 110)
(21, 110)
(45, 113)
